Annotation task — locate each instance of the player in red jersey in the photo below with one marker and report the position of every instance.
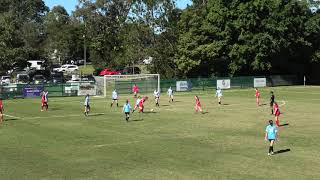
(44, 100)
(135, 90)
(198, 104)
(141, 106)
(1, 111)
(257, 97)
(276, 112)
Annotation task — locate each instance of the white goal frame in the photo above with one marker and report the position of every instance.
(135, 76)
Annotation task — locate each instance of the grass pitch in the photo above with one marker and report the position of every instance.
(173, 142)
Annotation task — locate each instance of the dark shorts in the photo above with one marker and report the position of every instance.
(271, 104)
(271, 140)
(87, 106)
(127, 113)
(114, 99)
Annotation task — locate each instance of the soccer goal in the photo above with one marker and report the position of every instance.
(146, 83)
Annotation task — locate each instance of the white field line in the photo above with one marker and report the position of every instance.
(12, 116)
(116, 144)
(63, 116)
(146, 139)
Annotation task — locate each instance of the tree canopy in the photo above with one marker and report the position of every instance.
(208, 38)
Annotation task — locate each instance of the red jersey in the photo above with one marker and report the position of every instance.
(257, 93)
(1, 104)
(276, 110)
(197, 101)
(141, 102)
(134, 88)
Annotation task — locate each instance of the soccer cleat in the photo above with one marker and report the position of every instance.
(272, 153)
(269, 154)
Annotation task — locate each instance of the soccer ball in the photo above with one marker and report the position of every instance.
(151, 110)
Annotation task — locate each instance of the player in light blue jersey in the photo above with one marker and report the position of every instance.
(115, 97)
(126, 110)
(156, 95)
(86, 105)
(170, 94)
(271, 135)
(219, 95)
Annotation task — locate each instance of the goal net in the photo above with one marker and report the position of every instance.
(146, 83)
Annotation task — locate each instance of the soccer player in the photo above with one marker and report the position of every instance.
(126, 110)
(257, 97)
(137, 104)
(272, 97)
(219, 95)
(114, 97)
(170, 94)
(271, 136)
(141, 106)
(1, 111)
(276, 112)
(44, 100)
(198, 104)
(86, 105)
(135, 90)
(156, 95)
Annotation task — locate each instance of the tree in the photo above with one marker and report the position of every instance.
(234, 37)
(21, 31)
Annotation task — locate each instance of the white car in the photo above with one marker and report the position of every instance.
(68, 68)
(5, 79)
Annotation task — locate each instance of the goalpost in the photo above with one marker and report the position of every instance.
(146, 83)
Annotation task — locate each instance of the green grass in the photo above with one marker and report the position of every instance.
(172, 143)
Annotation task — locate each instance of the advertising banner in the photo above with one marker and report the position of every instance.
(224, 84)
(183, 86)
(260, 82)
(32, 91)
(85, 89)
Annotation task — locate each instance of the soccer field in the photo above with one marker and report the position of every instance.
(172, 142)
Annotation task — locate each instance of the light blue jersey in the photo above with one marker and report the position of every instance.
(114, 95)
(271, 132)
(86, 101)
(126, 108)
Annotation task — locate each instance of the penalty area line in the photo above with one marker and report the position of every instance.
(115, 144)
(63, 116)
(12, 116)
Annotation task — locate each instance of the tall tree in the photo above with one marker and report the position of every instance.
(21, 31)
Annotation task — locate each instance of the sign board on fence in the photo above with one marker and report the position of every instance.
(32, 91)
(259, 82)
(183, 86)
(224, 84)
(85, 89)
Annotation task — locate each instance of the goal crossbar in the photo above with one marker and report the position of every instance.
(130, 77)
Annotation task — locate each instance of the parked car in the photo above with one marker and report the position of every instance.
(38, 79)
(5, 80)
(89, 78)
(109, 71)
(57, 78)
(22, 78)
(68, 68)
(79, 62)
(37, 64)
(129, 70)
(55, 67)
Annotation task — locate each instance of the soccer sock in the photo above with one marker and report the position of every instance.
(270, 148)
(219, 102)
(111, 104)
(117, 105)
